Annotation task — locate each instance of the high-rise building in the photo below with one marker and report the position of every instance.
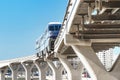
(106, 58)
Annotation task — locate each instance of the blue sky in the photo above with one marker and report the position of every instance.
(23, 21)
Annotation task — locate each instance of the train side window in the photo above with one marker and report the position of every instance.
(51, 28)
(59, 27)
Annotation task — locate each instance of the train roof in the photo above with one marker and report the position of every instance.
(54, 23)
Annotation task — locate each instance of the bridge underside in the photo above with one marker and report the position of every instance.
(94, 22)
(93, 27)
(90, 26)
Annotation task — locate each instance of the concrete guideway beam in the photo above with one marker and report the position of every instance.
(107, 4)
(42, 69)
(2, 73)
(92, 63)
(57, 72)
(27, 66)
(70, 40)
(73, 74)
(14, 68)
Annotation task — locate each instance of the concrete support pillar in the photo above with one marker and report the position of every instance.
(27, 66)
(2, 73)
(57, 72)
(92, 63)
(14, 68)
(42, 67)
(73, 74)
(115, 71)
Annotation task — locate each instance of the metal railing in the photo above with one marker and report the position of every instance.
(69, 12)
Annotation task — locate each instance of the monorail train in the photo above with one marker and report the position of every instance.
(45, 44)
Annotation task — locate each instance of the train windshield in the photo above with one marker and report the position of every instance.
(54, 27)
(51, 28)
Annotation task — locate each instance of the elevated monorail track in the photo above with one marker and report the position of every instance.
(94, 20)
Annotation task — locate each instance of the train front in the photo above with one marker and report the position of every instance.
(45, 44)
(53, 31)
